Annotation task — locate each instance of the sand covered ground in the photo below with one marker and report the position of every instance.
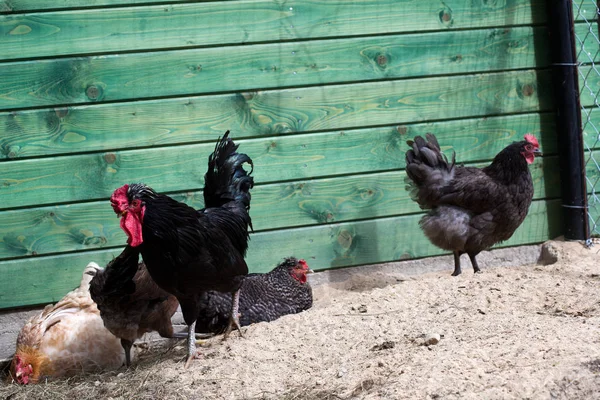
(521, 332)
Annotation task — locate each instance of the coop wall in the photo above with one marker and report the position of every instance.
(321, 94)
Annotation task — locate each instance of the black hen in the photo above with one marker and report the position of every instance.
(129, 301)
(470, 209)
(188, 252)
(263, 297)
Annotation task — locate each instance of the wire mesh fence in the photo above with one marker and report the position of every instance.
(587, 40)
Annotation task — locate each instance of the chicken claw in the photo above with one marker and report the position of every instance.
(234, 318)
(192, 352)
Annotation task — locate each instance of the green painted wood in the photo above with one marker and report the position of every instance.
(132, 125)
(589, 85)
(586, 42)
(86, 226)
(273, 112)
(265, 66)
(94, 176)
(324, 246)
(252, 20)
(12, 6)
(584, 10)
(591, 127)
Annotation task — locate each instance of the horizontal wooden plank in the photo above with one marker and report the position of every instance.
(151, 123)
(94, 176)
(80, 129)
(265, 66)
(324, 246)
(8, 6)
(242, 21)
(86, 226)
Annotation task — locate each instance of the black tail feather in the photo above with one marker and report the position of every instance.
(425, 156)
(226, 180)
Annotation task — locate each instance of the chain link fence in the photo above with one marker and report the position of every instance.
(587, 41)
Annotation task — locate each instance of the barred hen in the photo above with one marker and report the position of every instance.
(263, 297)
(64, 339)
(186, 251)
(129, 301)
(470, 209)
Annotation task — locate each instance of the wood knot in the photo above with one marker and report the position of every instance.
(446, 17)
(92, 92)
(344, 239)
(527, 90)
(402, 130)
(110, 158)
(61, 112)
(381, 60)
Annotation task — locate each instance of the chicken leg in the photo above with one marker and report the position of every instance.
(474, 262)
(192, 352)
(127, 347)
(234, 319)
(457, 269)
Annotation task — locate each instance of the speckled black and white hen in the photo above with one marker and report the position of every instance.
(263, 297)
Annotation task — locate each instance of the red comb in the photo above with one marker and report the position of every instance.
(532, 139)
(119, 196)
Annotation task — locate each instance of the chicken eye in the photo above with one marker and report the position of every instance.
(135, 203)
(529, 147)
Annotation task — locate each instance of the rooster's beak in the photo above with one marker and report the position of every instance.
(310, 271)
(122, 214)
(538, 152)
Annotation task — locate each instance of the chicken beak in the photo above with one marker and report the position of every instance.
(122, 214)
(18, 374)
(538, 152)
(310, 271)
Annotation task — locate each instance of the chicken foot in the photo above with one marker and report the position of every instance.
(127, 347)
(234, 319)
(192, 352)
(474, 262)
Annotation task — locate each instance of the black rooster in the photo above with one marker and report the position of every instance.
(470, 209)
(129, 301)
(186, 251)
(263, 297)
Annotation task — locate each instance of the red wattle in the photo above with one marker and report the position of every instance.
(529, 158)
(132, 225)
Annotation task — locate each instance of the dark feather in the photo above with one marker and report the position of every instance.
(188, 252)
(470, 209)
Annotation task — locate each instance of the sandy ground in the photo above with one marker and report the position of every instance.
(523, 332)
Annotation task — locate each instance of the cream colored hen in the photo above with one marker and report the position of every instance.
(65, 338)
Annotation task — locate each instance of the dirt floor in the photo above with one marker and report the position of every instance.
(523, 332)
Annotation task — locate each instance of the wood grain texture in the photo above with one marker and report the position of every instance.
(324, 246)
(264, 113)
(86, 226)
(242, 21)
(294, 157)
(265, 66)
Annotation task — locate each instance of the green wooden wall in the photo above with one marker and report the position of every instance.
(321, 94)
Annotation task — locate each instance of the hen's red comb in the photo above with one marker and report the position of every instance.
(532, 139)
(119, 196)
